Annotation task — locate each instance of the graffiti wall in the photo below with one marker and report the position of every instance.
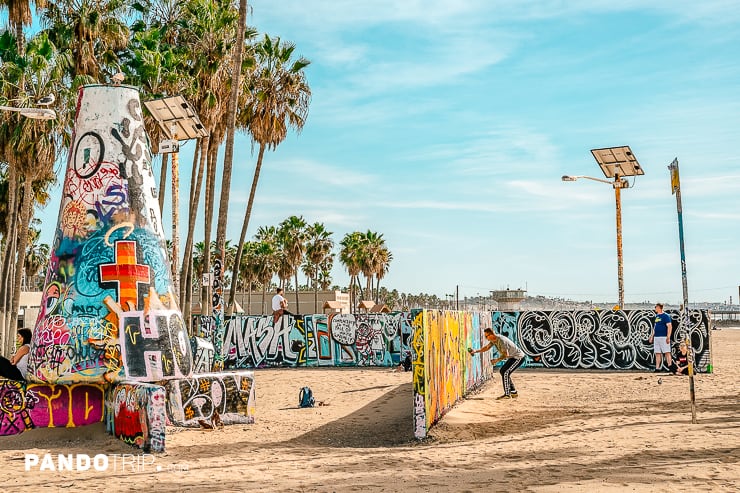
(443, 370)
(600, 339)
(591, 339)
(26, 406)
(135, 414)
(107, 310)
(227, 396)
(316, 340)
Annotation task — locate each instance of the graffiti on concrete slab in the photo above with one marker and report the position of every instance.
(25, 406)
(230, 395)
(136, 415)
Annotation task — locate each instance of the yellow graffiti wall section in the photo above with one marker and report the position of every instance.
(443, 370)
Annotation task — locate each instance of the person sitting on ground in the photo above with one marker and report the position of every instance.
(406, 364)
(16, 367)
(680, 365)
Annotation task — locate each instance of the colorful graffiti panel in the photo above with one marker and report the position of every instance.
(135, 414)
(316, 340)
(108, 281)
(227, 396)
(25, 406)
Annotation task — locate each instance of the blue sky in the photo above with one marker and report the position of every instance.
(446, 126)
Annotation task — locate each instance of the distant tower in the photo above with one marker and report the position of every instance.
(509, 300)
(108, 312)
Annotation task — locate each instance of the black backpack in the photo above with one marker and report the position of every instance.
(305, 397)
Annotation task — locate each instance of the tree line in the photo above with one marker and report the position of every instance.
(236, 79)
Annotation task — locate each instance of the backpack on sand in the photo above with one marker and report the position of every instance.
(305, 397)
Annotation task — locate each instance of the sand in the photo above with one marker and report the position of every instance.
(569, 431)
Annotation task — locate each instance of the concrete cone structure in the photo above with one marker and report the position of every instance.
(108, 312)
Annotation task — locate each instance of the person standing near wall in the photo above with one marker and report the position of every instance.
(16, 367)
(661, 337)
(279, 305)
(508, 351)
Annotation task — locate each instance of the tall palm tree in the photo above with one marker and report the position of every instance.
(292, 235)
(318, 247)
(208, 29)
(278, 98)
(374, 257)
(382, 264)
(30, 147)
(236, 84)
(350, 255)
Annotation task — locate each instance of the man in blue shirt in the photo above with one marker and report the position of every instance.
(661, 337)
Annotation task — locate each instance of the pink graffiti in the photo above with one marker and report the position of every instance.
(66, 405)
(51, 331)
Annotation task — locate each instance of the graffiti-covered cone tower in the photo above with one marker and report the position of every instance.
(108, 312)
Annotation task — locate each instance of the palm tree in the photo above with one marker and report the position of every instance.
(208, 28)
(278, 98)
(19, 16)
(382, 263)
(265, 262)
(318, 247)
(292, 235)
(223, 210)
(37, 257)
(209, 32)
(350, 256)
(30, 148)
(248, 274)
(93, 31)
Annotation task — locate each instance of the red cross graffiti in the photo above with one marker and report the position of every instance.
(126, 273)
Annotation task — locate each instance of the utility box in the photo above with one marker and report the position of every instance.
(169, 146)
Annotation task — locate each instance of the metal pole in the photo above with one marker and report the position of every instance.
(676, 186)
(620, 272)
(175, 217)
(684, 320)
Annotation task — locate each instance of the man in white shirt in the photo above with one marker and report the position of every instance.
(279, 305)
(508, 351)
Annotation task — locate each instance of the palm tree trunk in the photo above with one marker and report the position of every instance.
(297, 307)
(25, 220)
(205, 297)
(223, 210)
(196, 184)
(316, 294)
(249, 297)
(245, 224)
(8, 262)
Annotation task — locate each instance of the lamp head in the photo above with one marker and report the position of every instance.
(38, 113)
(568, 178)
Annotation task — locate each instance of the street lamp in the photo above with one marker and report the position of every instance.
(616, 163)
(33, 113)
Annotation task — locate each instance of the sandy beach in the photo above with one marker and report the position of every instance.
(569, 431)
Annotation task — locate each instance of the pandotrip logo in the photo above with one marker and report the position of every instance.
(131, 463)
